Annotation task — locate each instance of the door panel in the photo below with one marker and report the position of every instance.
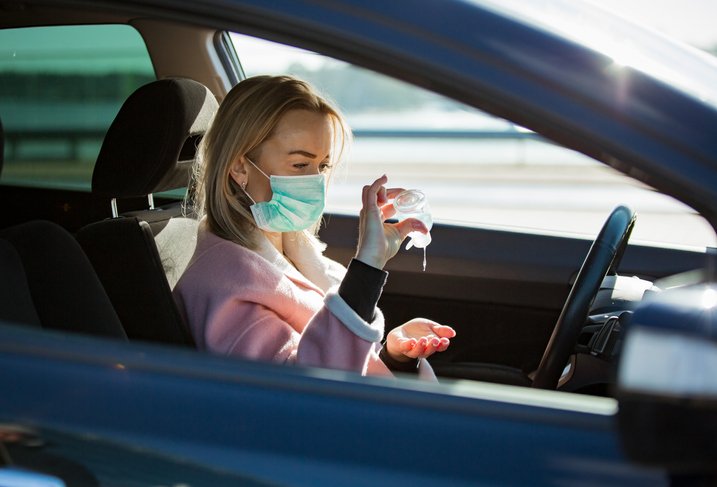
(502, 291)
(103, 404)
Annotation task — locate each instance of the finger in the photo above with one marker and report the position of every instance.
(388, 210)
(373, 187)
(406, 344)
(393, 192)
(410, 225)
(443, 331)
(444, 345)
(370, 195)
(430, 348)
(379, 183)
(368, 202)
(381, 198)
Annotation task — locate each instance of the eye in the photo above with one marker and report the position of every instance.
(301, 165)
(324, 166)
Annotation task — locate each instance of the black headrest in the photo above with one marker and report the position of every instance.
(151, 144)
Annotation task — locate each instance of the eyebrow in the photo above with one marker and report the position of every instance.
(303, 153)
(306, 154)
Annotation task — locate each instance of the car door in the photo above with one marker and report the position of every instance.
(100, 412)
(514, 214)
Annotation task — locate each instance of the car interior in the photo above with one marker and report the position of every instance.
(102, 259)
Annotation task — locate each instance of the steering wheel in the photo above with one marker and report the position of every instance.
(603, 259)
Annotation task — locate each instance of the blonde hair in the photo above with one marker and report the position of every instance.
(245, 119)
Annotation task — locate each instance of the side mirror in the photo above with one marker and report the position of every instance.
(667, 383)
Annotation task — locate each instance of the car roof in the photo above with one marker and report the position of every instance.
(505, 58)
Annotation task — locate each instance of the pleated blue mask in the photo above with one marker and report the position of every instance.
(298, 202)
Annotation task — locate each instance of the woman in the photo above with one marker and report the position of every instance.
(258, 285)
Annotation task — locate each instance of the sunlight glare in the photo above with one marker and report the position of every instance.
(709, 298)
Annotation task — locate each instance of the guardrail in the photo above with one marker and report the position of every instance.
(14, 140)
(73, 139)
(447, 134)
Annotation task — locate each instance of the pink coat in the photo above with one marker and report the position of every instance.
(256, 305)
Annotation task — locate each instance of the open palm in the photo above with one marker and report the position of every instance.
(418, 338)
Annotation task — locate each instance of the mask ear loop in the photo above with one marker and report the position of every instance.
(257, 168)
(243, 185)
(243, 188)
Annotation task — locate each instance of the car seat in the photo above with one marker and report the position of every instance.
(47, 281)
(139, 256)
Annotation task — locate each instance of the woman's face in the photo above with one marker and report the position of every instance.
(300, 146)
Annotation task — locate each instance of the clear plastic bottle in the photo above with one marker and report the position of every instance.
(413, 204)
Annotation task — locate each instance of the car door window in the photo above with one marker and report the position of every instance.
(475, 168)
(60, 89)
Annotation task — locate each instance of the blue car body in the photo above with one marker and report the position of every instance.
(138, 414)
(302, 427)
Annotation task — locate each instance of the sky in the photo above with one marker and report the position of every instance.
(690, 21)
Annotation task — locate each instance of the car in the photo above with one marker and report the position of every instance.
(559, 373)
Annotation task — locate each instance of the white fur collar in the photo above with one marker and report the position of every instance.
(311, 265)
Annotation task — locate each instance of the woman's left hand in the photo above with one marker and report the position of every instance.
(378, 240)
(418, 338)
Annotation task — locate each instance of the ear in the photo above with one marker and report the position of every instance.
(237, 171)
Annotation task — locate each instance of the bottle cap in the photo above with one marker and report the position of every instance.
(410, 200)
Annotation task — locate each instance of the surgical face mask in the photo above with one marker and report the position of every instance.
(298, 202)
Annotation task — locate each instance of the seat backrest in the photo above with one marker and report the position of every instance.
(48, 282)
(140, 255)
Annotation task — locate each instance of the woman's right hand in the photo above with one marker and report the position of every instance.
(378, 240)
(418, 338)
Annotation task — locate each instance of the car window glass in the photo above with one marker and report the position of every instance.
(475, 168)
(60, 89)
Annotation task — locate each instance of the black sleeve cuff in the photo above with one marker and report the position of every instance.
(394, 365)
(361, 288)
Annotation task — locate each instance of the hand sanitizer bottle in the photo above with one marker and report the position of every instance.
(413, 204)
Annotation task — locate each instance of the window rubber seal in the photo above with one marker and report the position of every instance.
(228, 57)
